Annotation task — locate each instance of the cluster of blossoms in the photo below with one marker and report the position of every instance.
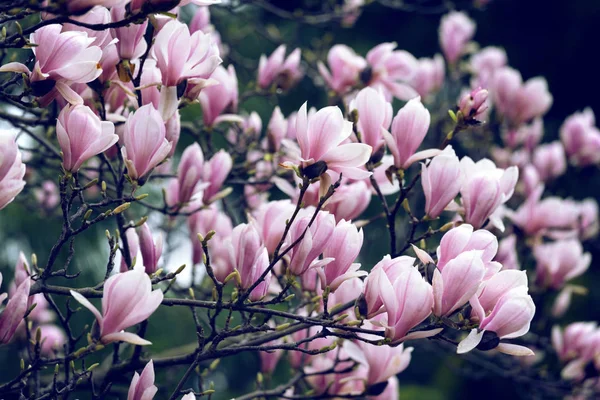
(277, 218)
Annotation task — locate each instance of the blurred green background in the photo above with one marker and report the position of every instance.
(557, 40)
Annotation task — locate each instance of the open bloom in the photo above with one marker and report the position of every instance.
(510, 316)
(15, 310)
(549, 160)
(581, 138)
(389, 70)
(441, 179)
(517, 101)
(128, 299)
(82, 135)
(560, 261)
(409, 128)
(151, 249)
(305, 254)
(382, 362)
(464, 238)
(344, 68)
(456, 30)
(458, 281)
(12, 169)
(484, 189)
(278, 69)
(145, 144)
(374, 116)
(142, 386)
(321, 138)
(62, 58)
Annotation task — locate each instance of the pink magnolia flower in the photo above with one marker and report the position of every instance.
(517, 101)
(189, 173)
(531, 179)
(76, 6)
(142, 386)
(343, 247)
(550, 161)
(581, 138)
(457, 282)
(429, 76)
(128, 299)
(82, 135)
(560, 261)
(145, 144)
(408, 301)
(382, 362)
(391, 267)
(588, 218)
(53, 339)
(484, 189)
(374, 116)
(321, 139)
(574, 340)
(133, 242)
(98, 15)
(441, 180)
(181, 55)
(507, 253)
(269, 218)
(409, 128)
(151, 249)
(485, 63)
(217, 99)
(250, 258)
(463, 238)
(47, 195)
(12, 169)
(390, 70)
(215, 173)
(491, 290)
(456, 30)
(276, 130)
(529, 135)
(349, 201)
(15, 310)
(510, 318)
(305, 254)
(62, 58)
(345, 66)
(285, 72)
(131, 43)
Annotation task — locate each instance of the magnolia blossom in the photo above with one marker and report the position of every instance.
(429, 76)
(343, 247)
(517, 101)
(278, 69)
(485, 63)
(53, 339)
(321, 139)
(441, 179)
(484, 189)
(131, 43)
(344, 68)
(12, 169)
(151, 249)
(473, 104)
(305, 254)
(145, 144)
(15, 310)
(581, 138)
(62, 58)
(82, 135)
(560, 261)
(465, 238)
(268, 218)
(409, 128)
(390, 70)
(189, 173)
(374, 116)
(219, 98)
(507, 253)
(549, 160)
(456, 30)
(128, 299)
(382, 362)
(142, 385)
(348, 201)
(214, 174)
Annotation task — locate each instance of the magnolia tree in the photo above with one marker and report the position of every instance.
(438, 161)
